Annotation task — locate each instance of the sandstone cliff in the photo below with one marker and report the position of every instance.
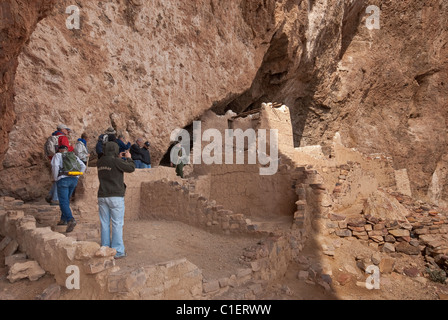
(385, 90)
(18, 21)
(147, 67)
(144, 67)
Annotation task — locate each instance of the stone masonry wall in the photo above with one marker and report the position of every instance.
(99, 277)
(170, 200)
(242, 189)
(423, 230)
(55, 252)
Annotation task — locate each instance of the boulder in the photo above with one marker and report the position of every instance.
(408, 249)
(387, 265)
(383, 206)
(25, 270)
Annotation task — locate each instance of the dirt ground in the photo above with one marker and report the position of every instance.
(149, 242)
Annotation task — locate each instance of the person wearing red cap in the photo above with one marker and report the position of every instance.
(63, 133)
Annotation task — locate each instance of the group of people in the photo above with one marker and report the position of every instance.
(139, 150)
(115, 157)
(64, 181)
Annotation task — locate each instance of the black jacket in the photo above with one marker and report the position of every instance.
(146, 156)
(136, 152)
(111, 171)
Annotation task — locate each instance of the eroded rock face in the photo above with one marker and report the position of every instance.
(18, 20)
(384, 90)
(143, 67)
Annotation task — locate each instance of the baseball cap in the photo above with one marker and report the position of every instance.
(63, 126)
(111, 130)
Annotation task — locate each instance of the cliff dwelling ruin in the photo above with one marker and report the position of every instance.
(342, 181)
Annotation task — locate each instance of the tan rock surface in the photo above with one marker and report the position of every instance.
(383, 90)
(145, 69)
(23, 270)
(383, 206)
(19, 19)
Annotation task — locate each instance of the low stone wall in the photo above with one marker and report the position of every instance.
(270, 258)
(179, 279)
(169, 200)
(100, 278)
(55, 252)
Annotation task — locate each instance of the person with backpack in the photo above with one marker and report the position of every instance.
(81, 150)
(178, 157)
(111, 192)
(58, 138)
(66, 169)
(63, 133)
(109, 135)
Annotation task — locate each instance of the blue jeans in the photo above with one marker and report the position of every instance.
(139, 164)
(111, 211)
(66, 186)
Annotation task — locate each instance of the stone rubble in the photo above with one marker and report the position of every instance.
(424, 232)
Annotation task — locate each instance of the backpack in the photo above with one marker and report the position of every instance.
(70, 165)
(51, 146)
(102, 139)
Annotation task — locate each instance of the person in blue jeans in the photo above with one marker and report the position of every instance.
(111, 193)
(66, 184)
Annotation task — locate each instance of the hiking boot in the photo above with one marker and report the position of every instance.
(62, 223)
(124, 255)
(48, 199)
(54, 203)
(71, 225)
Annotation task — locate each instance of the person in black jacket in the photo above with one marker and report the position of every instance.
(146, 156)
(111, 192)
(137, 154)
